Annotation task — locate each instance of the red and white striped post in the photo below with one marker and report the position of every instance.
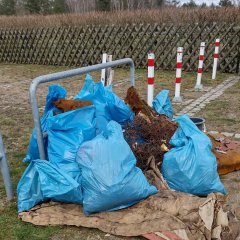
(198, 85)
(177, 97)
(150, 79)
(215, 58)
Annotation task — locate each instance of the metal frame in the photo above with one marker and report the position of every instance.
(65, 74)
(5, 171)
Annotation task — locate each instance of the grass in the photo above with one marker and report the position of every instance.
(223, 114)
(163, 15)
(16, 125)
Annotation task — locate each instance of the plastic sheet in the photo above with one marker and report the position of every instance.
(162, 104)
(191, 166)
(110, 178)
(43, 181)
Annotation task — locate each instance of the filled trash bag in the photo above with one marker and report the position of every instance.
(55, 92)
(191, 166)
(108, 105)
(110, 178)
(162, 104)
(66, 132)
(33, 152)
(42, 181)
(119, 111)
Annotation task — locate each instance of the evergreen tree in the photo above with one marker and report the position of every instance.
(212, 5)
(159, 3)
(40, 6)
(32, 6)
(225, 3)
(190, 4)
(7, 7)
(203, 5)
(45, 6)
(60, 6)
(173, 3)
(103, 5)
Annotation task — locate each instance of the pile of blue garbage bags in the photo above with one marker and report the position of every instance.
(89, 162)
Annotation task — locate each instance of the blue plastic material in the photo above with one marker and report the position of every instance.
(42, 181)
(162, 104)
(108, 105)
(110, 178)
(33, 152)
(55, 92)
(66, 132)
(191, 166)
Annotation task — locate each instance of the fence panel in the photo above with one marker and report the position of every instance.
(84, 45)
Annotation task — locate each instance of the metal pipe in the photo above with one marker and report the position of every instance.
(66, 74)
(5, 171)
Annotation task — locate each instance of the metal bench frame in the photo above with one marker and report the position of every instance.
(66, 74)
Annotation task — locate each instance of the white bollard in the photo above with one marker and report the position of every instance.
(103, 72)
(198, 85)
(177, 97)
(150, 92)
(215, 58)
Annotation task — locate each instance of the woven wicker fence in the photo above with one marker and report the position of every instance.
(81, 46)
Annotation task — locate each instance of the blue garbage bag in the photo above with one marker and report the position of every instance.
(66, 132)
(108, 105)
(191, 166)
(162, 104)
(118, 110)
(55, 92)
(33, 152)
(110, 178)
(42, 181)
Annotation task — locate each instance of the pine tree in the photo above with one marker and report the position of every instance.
(60, 6)
(203, 5)
(103, 5)
(38, 6)
(170, 3)
(32, 6)
(190, 4)
(7, 7)
(45, 6)
(225, 3)
(159, 3)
